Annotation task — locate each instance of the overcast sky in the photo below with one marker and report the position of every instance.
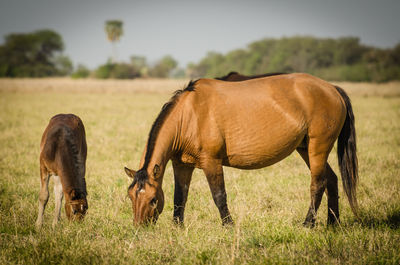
(187, 30)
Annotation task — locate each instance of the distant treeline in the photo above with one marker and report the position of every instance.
(39, 54)
(35, 54)
(343, 59)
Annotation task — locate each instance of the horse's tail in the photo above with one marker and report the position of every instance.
(347, 154)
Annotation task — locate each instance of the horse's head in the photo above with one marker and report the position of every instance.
(146, 195)
(76, 206)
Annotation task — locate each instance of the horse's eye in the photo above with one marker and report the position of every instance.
(153, 201)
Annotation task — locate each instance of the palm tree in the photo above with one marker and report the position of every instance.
(114, 32)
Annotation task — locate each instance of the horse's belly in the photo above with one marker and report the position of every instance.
(258, 155)
(255, 161)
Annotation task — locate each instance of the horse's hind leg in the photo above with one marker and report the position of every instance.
(332, 194)
(183, 176)
(43, 194)
(58, 195)
(317, 159)
(215, 178)
(331, 189)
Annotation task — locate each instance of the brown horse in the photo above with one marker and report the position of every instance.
(249, 125)
(63, 155)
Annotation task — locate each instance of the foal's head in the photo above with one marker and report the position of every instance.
(146, 195)
(76, 206)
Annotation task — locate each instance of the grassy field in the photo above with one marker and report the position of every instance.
(268, 205)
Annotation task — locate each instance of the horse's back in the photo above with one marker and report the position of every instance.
(258, 122)
(291, 94)
(62, 132)
(70, 121)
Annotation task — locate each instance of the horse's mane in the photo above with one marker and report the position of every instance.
(226, 76)
(245, 77)
(141, 176)
(76, 161)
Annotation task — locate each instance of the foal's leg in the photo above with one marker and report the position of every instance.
(317, 157)
(58, 194)
(43, 194)
(183, 176)
(331, 189)
(215, 177)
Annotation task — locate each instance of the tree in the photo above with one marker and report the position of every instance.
(63, 65)
(114, 32)
(210, 66)
(164, 67)
(33, 55)
(333, 59)
(140, 65)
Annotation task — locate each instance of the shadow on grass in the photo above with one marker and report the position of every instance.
(374, 220)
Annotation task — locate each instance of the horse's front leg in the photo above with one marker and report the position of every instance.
(58, 195)
(215, 177)
(183, 176)
(43, 194)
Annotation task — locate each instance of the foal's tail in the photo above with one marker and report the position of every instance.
(347, 154)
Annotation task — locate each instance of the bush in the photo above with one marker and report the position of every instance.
(123, 71)
(164, 67)
(103, 71)
(81, 72)
(118, 71)
(354, 73)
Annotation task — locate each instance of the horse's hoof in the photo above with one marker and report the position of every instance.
(333, 222)
(38, 226)
(309, 224)
(178, 222)
(227, 222)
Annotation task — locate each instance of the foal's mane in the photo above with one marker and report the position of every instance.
(141, 175)
(76, 161)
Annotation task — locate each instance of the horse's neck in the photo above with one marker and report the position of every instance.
(165, 145)
(72, 172)
(71, 153)
(70, 182)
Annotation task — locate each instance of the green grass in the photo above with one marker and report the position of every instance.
(268, 205)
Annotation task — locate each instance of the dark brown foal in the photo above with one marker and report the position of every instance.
(63, 155)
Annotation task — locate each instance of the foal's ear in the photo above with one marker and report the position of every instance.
(156, 171)
(131, 173)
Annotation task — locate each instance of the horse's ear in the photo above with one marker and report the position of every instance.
(156, 171)
(131, 173)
